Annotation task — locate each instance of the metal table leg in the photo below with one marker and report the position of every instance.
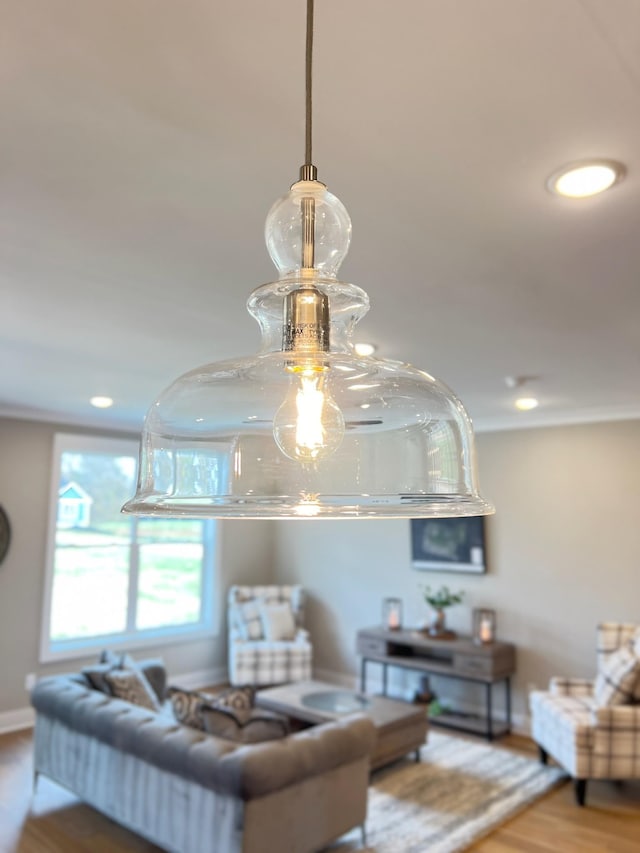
(508, 702)
(384, 679)
(489, 713)
(363, 675)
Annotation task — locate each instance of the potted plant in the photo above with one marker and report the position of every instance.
(439, 600)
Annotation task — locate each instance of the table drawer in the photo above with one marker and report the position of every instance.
(473, 665)
(371, 646)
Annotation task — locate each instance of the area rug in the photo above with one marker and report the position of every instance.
(460, 791)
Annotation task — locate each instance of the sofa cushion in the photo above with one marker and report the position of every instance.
(247, 726)
(277, 621)
(132, 686)
(618, 676)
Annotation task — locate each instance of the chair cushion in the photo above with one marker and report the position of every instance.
(277, 621)
(618, 677)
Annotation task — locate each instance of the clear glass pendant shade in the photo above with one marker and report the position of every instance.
(307, 428)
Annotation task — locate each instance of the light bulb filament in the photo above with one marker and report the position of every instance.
(308, 425)
(310, 434)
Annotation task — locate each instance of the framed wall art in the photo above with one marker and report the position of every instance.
(449, 544)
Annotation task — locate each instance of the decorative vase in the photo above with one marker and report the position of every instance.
(438, 627)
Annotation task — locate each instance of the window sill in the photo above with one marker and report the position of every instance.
(76, 650)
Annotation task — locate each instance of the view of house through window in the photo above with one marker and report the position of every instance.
(113, 577)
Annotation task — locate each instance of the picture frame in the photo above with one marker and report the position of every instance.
(449, 544)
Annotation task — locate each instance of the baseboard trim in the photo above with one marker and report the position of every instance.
(15, 721)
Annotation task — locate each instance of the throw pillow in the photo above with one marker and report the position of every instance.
(249, 621)
(156, 674)
(260, 726)
(187, 706)
(132, 686)
(236, 698)
(618, 676)
(96, 673)
(277, 621)
(239, 700)
(107, 656)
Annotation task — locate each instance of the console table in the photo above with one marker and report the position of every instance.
(459, 658)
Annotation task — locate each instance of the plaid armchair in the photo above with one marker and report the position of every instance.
(261, 653)
(592, 727)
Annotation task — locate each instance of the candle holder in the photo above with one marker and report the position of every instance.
(392, 614)
(484, 626)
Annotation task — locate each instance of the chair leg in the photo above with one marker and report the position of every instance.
(544, 755)
(580, 791)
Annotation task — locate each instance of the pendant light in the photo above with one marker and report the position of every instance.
(307, 428)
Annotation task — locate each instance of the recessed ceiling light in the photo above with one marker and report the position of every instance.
(101, 402)
(580, 180)
(525, 404)
(365, 349)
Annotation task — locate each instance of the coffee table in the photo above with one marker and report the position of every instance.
(401, 727)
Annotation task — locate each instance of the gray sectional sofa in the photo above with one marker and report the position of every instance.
(193, 792)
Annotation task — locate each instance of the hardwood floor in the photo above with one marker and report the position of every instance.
(56, 822)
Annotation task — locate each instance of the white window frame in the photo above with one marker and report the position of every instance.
(131, 638)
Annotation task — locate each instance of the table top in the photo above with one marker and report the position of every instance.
(419, 638)
(318, 702)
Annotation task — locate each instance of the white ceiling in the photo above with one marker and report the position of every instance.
(143, 141)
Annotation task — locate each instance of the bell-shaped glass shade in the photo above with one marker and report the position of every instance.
(307, 429)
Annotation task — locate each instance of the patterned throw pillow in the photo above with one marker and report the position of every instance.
(132, 686)
(277, 621)
(187, 706)
(259, 726)
(239, 700)
(250, 622)
(618, 677)
(96, 676)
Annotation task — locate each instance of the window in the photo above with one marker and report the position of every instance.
(113, 578)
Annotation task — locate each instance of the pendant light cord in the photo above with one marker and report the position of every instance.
(308, 87)
(308, 172)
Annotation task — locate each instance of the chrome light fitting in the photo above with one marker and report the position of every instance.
(307, 428)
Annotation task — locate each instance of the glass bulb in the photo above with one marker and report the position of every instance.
(308, 426)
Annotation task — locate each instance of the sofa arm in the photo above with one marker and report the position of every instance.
(258, 769)
(571, 686)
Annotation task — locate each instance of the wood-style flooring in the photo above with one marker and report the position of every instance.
(56, 822)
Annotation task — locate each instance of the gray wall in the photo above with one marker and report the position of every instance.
(25, 469)
(563, 553)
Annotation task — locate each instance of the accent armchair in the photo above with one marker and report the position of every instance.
(267, 643)
(592, 727)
